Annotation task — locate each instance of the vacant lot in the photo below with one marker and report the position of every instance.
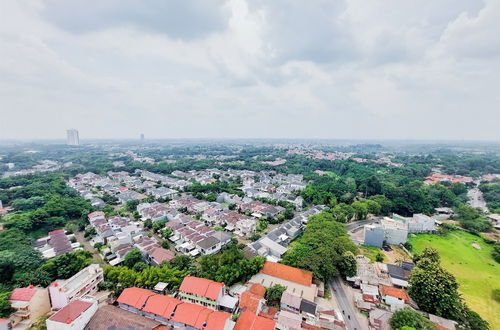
(474, 268)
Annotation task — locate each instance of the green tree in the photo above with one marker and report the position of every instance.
(274, 293)
(408, 317)
(165, 244)
(343, 212)
(5, 309)
(360, 210)
(434, 289)
(132, 257)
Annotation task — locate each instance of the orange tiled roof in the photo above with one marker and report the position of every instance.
(161, 305)
(258, 289)
(188, 313)
(217, 320)
(250, 321)
(249, 302)
(135, 297)
(201, 287)
(394, 292)
(288, 273)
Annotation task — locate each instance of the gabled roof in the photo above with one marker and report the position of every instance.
(250, 321)
(160, 255)
(188, 313)
(23, 294)
(71, 311)
(201, 287)
(161, 305)
(288, 273)
(135, 297)
(217, 320)
(394, 292)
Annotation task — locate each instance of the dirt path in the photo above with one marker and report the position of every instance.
(86, 246)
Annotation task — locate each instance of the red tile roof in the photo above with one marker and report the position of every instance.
(160, 255)
(287, 273)
(394, 292)
(161, 305)
(217, 320)
(250, 302)
(258, 289)
(201, 287)
(188, 313)
(135, 297)
(71, 312)
(250, 321)
(23, 294)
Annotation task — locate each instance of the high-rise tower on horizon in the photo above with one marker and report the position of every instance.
(73, 138)
(142, 137)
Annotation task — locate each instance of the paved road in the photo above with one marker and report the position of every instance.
(356, 224)
(476, 199)
(345, 304)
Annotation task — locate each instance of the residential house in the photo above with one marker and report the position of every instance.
(251, 321)
(28, 304)
(379, 319)
(393, 296)
(201, 291)
(253, 299)
(159, 255)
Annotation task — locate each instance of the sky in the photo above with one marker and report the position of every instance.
(351, 69)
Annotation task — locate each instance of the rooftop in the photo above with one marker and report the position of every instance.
(23, 294)
(135, 297)
(288, 273)
(201, 287)
(71, 311)
(250, 321)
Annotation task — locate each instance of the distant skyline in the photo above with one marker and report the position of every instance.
(417, 70)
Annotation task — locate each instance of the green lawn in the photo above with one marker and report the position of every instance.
(476, 271)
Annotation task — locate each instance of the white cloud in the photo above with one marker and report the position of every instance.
(345, 69)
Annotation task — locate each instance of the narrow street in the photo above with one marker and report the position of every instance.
(345, 303)
(86, 246)
(476, 199)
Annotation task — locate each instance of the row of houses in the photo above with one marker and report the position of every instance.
(195, 238)
(121, 235)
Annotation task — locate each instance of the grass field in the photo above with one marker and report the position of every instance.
(476, 271)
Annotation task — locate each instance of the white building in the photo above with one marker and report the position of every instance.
(396, 232)
(73, 316)
(73, 138)
(81, 284)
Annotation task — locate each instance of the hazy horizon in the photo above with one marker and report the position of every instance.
(237, 69)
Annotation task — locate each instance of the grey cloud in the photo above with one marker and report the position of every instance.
(184, 19)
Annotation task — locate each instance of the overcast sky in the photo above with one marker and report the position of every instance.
(421, 69)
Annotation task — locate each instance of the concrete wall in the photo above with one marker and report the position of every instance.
(396, 236)
(374, 236)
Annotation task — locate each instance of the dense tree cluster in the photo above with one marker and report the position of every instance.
(491, 194)
(472, 219)
(324, 248)
(229, 267)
